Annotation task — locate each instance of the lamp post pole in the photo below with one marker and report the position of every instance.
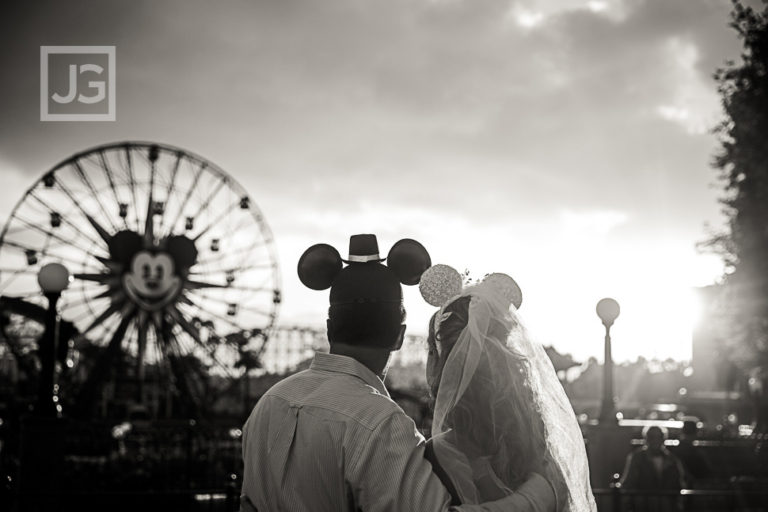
(608, 310)
(46, 394)
(53, 279)
(41, 433)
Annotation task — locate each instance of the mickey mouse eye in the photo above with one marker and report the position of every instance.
(160, 271)
(145, 270)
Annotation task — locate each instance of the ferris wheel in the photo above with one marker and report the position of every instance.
(171, 259)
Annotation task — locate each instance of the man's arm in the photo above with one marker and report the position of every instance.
(535, 495)
(390, 473)
(629, 475)
(246, 505)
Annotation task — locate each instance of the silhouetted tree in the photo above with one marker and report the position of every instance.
(743, 165)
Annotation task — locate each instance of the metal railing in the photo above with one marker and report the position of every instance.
(188, 500)
(616, 499)
(227, 500)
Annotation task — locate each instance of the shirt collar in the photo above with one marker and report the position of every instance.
(344, 364)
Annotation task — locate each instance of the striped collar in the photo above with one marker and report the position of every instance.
(344, 364)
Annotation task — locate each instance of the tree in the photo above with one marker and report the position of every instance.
(742, 161)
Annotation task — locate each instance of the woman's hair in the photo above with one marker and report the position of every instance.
(515, 445)
(442, 343)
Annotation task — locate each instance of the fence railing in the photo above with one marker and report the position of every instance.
(227, 500)
(187, 500)
(616, 499)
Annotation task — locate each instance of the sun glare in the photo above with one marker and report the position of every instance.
(564, 265)
(657, 323)
(526, 18)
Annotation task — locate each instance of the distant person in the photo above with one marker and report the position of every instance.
(653, 468)
(696, 466)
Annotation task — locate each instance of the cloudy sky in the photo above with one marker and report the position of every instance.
(564, 142)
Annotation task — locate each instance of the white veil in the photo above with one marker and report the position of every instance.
(501, 412)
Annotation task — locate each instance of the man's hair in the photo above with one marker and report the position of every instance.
(690, 427)
(663, 430)
(365, 324)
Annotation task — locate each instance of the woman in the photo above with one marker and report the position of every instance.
(500, 411)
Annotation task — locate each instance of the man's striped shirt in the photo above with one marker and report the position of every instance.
(331, 439)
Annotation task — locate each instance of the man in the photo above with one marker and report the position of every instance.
(697, 467)
(654, 468)
(330, 438)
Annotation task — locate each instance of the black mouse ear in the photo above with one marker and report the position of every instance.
(124, 246)
(408, 259)
(318, 266)
(182, 250)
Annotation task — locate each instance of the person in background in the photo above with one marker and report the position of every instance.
(696, 466)
(656, 470)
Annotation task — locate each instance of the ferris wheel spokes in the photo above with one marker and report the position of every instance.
(244, 251)
(105, 167)
(94, 193)
(228, 211)
(102, 232)
(34, 227)
(98, 374)
(146, 229)
(183, 204)
(171, 186)
(33, 254)
(206, 203)
(65, 219)
(132, 184)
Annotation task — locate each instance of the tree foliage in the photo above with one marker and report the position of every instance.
(743, 165)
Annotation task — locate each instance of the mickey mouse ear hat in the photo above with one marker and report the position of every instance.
(365, 279)
(441, 284)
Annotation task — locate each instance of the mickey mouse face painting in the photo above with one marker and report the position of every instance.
(153, 277)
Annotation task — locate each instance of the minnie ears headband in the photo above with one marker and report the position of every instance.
(321, 264)
(441, 284)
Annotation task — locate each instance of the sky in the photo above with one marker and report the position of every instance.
(567, 143)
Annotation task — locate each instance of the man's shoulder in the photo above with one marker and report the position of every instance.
(671, 456)
(343, 396)
(639, 456)
(287, 382)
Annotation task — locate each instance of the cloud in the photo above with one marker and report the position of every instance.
(592, 222)
(14, 185)
(694, 103)
(503, 134)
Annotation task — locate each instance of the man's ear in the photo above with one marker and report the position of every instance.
(400, 338)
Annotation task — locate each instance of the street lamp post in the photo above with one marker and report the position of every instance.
(53, 279)
(41, 433)
(608, 310)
